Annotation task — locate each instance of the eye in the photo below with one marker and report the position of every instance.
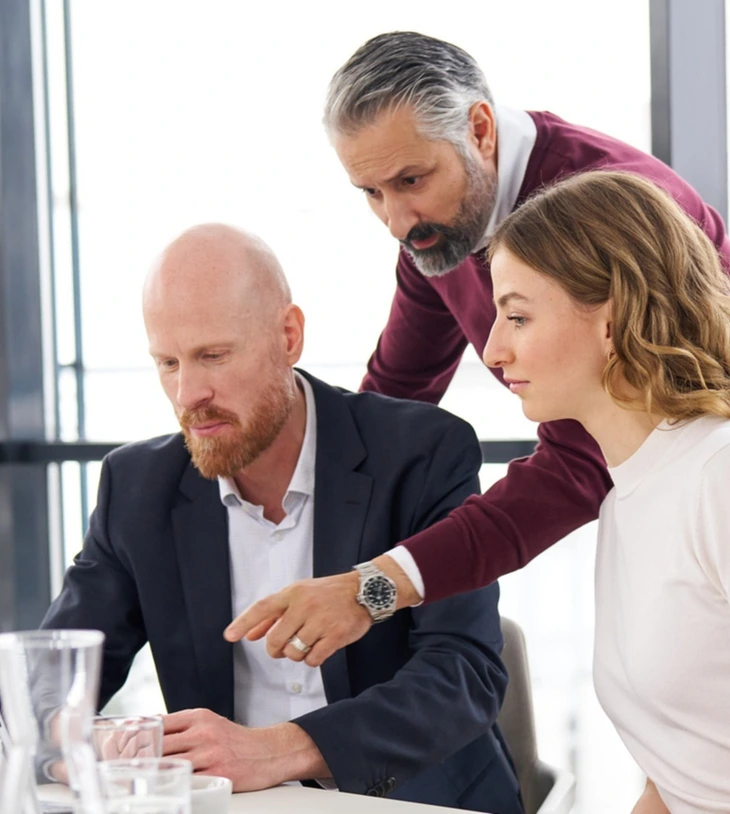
(371, 192)
(518, 321)
(167, 364)
(411, 180)
(213, 356)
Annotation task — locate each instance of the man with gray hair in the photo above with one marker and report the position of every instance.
(415, 126)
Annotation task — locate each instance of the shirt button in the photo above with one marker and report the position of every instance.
(296, 687)
(278, 535)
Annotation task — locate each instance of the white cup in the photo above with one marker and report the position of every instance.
(210, 794)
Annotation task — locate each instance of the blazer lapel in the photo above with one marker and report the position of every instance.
(342, 498)
(200, 528)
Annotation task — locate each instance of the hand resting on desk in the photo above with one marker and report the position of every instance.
(253, 758)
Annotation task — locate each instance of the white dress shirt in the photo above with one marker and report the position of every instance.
(266, 557)
(516, 134)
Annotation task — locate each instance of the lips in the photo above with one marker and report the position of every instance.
(426, 243)
(516, 385)
(211, 428)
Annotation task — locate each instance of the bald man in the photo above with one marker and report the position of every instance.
(275, 477)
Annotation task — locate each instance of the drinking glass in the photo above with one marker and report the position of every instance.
(146, 785)
(49, 686)
(127, 736)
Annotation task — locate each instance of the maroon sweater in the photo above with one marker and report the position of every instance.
(562, 484)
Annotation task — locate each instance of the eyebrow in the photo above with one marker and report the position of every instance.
(513, 295)
(406, 172)
(197, 351)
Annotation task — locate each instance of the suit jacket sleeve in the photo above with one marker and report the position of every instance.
(99, 593)
(449, 689)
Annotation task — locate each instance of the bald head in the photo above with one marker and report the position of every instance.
(216, 266)
(225, 337)
(215, 297)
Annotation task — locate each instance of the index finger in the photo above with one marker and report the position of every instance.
(261, 615)
(178, 721)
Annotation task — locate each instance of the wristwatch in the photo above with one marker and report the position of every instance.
(377, 592)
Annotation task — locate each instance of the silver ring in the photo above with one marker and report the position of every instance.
(295, 641)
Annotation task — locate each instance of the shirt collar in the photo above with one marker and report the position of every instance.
(516, 134)
(302, 480)
(652, 452)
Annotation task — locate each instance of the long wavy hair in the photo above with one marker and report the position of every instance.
(614, 236)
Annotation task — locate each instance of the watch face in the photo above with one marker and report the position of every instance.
(378, 593)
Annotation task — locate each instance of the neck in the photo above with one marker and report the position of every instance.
(265, 481)
(619, 431)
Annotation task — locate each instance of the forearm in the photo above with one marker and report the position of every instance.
(540, 500)
(294, 755)
(650, 802)
(387, 729)
(253, 758)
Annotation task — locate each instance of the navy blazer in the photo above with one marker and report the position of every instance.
(412, 705)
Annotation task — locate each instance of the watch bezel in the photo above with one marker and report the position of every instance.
(377, 613)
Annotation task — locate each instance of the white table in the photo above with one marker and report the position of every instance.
(299, 799)
(303, 800)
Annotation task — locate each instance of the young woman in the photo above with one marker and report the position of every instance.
(613, 310)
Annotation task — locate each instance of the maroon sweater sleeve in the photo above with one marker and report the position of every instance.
(421, 345)
(541, 499)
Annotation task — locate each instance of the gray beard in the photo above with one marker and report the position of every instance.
(464, 236)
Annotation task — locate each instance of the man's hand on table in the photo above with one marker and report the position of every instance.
(252, 758)
(321, 613)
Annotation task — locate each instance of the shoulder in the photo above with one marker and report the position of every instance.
(711, 456)
(395, 435)
(406, 419)
(373, 412)
(712, 450)
(151, 460)
(563, 148)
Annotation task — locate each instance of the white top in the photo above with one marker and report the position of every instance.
(266, 557)
(516, 134)
(662, 645)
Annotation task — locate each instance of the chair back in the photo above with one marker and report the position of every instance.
(545, 790)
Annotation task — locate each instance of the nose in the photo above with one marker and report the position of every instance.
(193, 388)
(398, 215)
(497, 352)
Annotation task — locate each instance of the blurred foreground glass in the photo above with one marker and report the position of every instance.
(49, 688)
(127, 736)
(146, 785)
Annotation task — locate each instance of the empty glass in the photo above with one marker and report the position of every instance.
(127, 736)
(49, 686)
(146, 785)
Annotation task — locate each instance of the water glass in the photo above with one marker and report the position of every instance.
(127, 736)
(49, 686)
(146, 785)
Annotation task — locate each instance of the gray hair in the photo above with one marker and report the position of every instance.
(439, 80)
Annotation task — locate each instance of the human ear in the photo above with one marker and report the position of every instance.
(483, 128)
(293, 319)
